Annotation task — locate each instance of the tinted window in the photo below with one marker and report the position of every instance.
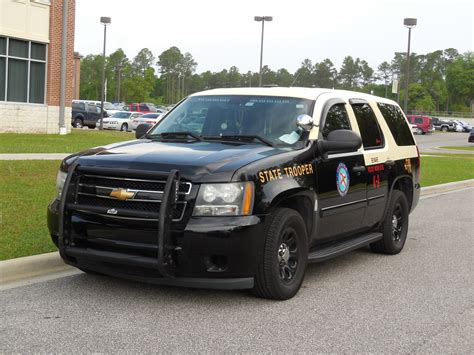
(336, 118)
(143, 108)
(368, 126)
(3, 45)
(397, 124)
(18, 48)
(418, 120)
(121, 115)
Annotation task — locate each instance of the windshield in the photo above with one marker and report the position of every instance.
(269, 117)
(121, 115)
(109, 106)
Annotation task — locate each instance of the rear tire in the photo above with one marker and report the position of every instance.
(78, 123)
(419, 131)
(444, 129)
(394, 226)
(282, 267)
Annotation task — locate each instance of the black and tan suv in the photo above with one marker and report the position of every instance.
(240, 189)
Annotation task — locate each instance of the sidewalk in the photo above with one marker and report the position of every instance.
(34, 156)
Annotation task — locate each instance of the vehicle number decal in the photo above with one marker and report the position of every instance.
(376, 181)
(288, 171)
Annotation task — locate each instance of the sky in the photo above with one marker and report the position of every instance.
(221, 34)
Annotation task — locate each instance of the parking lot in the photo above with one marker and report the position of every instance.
(419, 301)
(428, 143)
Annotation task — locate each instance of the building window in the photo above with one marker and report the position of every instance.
(22, 71)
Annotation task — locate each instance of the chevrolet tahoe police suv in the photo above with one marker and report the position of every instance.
(241, 189)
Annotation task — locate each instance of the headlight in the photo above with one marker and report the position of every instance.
(233, 199)
(60, 180)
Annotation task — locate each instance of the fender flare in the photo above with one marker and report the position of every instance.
(390, 194)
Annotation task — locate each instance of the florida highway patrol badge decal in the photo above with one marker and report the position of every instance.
(342, 179)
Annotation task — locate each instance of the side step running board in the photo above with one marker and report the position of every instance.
(328, 252)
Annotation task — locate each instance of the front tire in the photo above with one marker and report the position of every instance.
(444, 129)
(281, 270)
(124, 127)
(394, 226)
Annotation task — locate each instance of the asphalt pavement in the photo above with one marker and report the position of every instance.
(429, 143)
(419, 301)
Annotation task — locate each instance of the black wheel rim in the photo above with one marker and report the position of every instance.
(397, 223)
(288, 255)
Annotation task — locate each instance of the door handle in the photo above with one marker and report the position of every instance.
(389, 163)
(358, 169)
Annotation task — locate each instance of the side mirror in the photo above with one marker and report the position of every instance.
(141, 130)
(340, 141)
(305, 122)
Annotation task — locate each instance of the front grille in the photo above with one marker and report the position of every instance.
(152, 208)
(134, 184)
(142, 201)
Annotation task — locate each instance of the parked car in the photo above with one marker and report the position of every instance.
(120, 121)
(424, 124)
(443, 125)
(109, 108)
(463, 125)
(141, 108)
(414, 128)
(243, 192)
(84, 114)
(149, 118)
(471, 136)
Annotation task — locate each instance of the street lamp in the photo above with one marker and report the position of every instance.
(409, 23)
(105, 21)
(262, 19)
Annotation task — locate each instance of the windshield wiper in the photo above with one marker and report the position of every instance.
(240, 138)
(175, 135)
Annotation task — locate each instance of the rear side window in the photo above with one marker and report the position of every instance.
(143, 107)
(418, 120)
(369, 127)
(397, 124)
(336, 118)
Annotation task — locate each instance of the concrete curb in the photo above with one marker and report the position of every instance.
(18, 269)
(450, 186)
(34, 156)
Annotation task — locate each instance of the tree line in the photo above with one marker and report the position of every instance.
(442, 80)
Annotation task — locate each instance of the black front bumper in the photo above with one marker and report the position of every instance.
(210, 252)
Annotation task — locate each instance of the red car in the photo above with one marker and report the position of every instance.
(141, 108)
(424, 124)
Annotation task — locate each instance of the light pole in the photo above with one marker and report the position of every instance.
(409, 23)
(262, 19)
(105, 21)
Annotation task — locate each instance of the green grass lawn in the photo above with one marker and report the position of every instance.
(443, 168)
(464, 147)
(26, 188)
(78, 140)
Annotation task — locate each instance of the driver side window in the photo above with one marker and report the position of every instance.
(336, 118)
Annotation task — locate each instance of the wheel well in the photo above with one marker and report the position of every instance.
(304, 206)
(79, 117)
(405, 185)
